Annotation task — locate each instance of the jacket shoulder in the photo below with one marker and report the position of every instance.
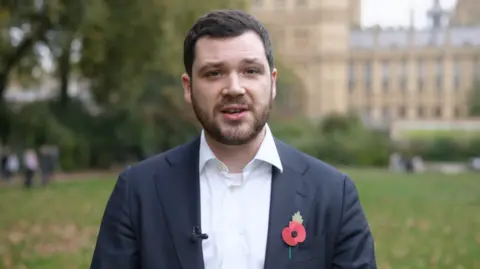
(150, 166)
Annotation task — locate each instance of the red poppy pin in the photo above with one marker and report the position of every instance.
(295, 233)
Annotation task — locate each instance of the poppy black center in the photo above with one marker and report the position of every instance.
(294, 234)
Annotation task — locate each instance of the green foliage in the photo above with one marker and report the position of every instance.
(443, 149)
(337, 139)
(337, 123)
(128, 51)
(343, 140)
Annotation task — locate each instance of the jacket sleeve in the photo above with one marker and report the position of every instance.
(354, 245)
(116, 246)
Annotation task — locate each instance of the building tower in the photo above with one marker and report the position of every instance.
(312, 38)
(355, 13)
(467, 13)
(438, 16)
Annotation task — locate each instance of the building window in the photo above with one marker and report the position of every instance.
(385, 75)
(437, 112)
(420, 112)
(403, 75)
(302, 3)
(457, 75)
(367, 72)
(421, 75)
(439, 74)
(457, 112)
(351, 76)
(402, 112)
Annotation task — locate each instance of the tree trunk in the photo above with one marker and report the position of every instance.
(3, 87)
(64, 73)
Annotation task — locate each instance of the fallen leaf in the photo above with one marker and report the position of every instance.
(424, 225)
(36, 229)
(15, 237)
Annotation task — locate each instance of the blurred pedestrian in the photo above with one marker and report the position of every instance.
(30, 161)
(47, 163)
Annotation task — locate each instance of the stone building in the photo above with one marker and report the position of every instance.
(380, 74)
(312, 37)
(467, 13)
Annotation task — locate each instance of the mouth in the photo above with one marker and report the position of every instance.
(234, 113)
(234, 110)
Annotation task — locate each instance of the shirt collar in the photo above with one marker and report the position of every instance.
(267, 152)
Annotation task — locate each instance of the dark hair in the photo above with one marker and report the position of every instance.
(220, 24)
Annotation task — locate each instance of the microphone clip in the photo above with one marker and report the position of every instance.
(197, 234)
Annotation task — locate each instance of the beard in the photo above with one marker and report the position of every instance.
(229, 133)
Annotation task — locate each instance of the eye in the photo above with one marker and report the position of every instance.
(252, 71)
(213, 73)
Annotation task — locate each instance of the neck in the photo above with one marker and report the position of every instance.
(236, 157)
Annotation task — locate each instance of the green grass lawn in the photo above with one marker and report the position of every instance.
(419, 221)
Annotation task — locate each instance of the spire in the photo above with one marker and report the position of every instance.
(437, 15)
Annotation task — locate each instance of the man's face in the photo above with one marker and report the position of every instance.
(231, 88)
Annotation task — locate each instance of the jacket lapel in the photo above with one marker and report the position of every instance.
(179, 192)
(289, 194)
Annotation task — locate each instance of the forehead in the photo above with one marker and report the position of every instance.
(229, 50)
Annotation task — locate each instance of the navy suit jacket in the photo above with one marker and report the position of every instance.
(154, 206)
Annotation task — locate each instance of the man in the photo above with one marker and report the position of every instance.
(235, 197)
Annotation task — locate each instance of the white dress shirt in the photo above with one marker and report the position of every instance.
(235, 207)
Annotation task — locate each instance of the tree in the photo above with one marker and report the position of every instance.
(63, 40)
(23, 23)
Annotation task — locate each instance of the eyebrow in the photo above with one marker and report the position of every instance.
(210, 65)
(220, 64)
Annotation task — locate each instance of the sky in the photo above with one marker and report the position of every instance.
(391, 13)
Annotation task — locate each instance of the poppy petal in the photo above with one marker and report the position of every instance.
(301, 233)
(287, 237)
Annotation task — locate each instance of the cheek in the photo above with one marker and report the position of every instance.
(262, 98)
(204, 100)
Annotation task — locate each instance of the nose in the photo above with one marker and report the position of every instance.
(234, 86)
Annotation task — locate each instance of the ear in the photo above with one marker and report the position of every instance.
(274, 82)
(187, 88)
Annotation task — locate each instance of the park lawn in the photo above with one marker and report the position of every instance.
(419, 221)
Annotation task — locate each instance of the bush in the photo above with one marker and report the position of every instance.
(443, 149)
(338, 140)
